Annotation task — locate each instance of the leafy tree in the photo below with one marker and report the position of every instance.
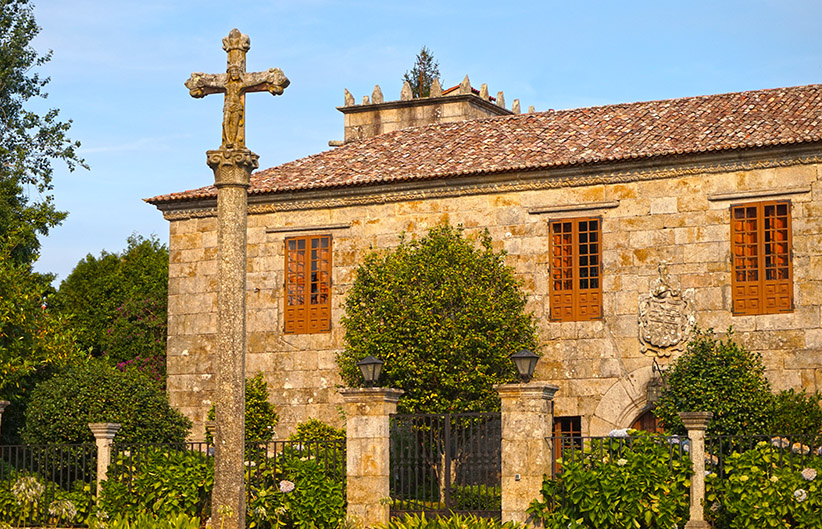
(260, 415)
(61, 408)
(423, 73)
(119, 301)
(444, 315)
(797, 413)
(28, 142)
(722, 377)
(316, 430)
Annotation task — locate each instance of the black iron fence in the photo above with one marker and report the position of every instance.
(446, 463)
(43, 484)
(783, 451)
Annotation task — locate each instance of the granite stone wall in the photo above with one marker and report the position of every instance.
(657, 212)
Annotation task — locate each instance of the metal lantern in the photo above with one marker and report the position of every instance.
(370, 368)
(526, 362)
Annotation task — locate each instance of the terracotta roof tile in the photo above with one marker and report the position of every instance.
(553, 139)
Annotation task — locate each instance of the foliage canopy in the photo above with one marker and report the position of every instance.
(260, 415)
(423, 73)
(444, 315)
(61, 408)
(119, 301)
(28, 142)
(722, 377)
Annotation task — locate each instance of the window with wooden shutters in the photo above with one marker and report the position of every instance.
(576, 258)
(308, 284)
(762, 279)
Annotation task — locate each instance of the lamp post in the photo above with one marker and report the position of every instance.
(370, 368)
(525, 362)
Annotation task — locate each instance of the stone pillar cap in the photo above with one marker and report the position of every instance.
(696, 420)
(386, 394)
(535, 389)
(104, 430)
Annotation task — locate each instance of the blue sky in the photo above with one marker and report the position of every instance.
(119, 67)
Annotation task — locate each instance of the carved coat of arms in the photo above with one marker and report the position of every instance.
(666, 317)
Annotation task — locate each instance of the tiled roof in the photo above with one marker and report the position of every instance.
(561, 138)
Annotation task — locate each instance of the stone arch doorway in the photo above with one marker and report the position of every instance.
(647, 421)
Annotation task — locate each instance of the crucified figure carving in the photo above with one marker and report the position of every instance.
(235, 83)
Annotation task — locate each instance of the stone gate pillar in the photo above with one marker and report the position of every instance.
(104, 433)
(697, 422)
(367, 456)
(526, 454)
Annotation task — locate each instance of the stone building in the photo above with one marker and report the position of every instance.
(625, 222)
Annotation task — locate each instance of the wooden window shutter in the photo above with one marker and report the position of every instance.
(307, 284)
(576, 265)
(762, 280)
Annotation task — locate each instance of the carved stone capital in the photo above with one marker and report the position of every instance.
(232, 167)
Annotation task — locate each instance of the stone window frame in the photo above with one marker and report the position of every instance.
(761, 258)
(571, 264)
(307, 285)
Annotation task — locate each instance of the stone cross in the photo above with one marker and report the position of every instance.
(232, 164)
(235, 83)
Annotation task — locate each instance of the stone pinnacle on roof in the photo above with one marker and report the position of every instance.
(436, 89)
(500, 99)
(465, 86)
(484, 91)
(349, 99)
(515, 107)
(376, 95)
(405, 93)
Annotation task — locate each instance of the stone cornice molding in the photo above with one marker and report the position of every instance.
(589, 206)
(577, 176)
(292, 229)
(472, 99)
(763, 193)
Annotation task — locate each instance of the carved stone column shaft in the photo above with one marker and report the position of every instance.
(697, 422)
(232, 172)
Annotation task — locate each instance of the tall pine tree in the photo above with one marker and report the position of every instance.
(425, 70)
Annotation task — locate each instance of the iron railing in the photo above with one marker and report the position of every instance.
(36, 476)
(445, 463)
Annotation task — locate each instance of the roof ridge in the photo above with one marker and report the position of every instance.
(586, 135)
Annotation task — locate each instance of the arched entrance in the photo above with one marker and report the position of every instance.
(647, 421)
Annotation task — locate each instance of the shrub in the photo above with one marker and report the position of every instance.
(316, 430)
(722, 377)
(26, 496)
(762, 488)
(260, 415)
(62, 407)
(159, 481)
(444, 315)
(318, 495)
(638, 482)
(144, 521)
(455, 521)
(797, 413)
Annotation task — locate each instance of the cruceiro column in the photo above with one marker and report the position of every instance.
(232, 164)
(104, 433)
(367, 452)
(526, 453)
(697, 422)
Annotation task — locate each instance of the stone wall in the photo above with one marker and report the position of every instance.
(653, 212)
